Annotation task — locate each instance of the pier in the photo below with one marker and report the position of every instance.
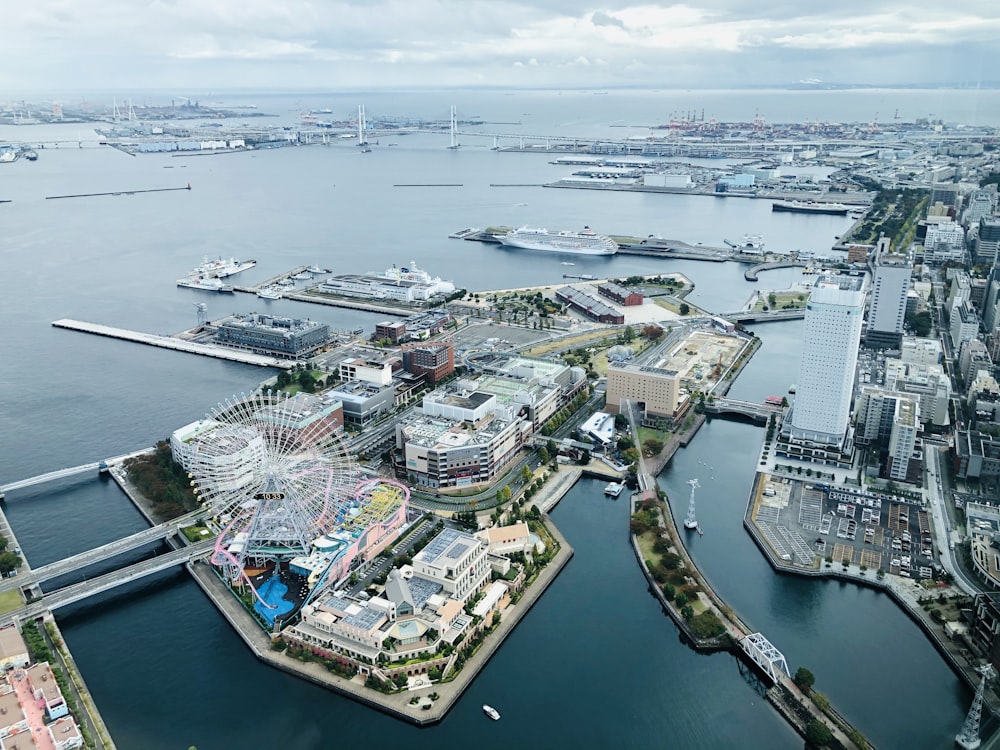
(120, 192)
(764, 316)
(751, 273)
(168, 342)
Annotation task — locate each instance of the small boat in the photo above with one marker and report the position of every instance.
(491, 712)
(614, 489)
(315, 269)
(567, 263)
(304, 276)
(269, 293)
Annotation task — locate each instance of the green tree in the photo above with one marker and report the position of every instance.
(804, 679)
(685, 308)
(628, 335)
(772, 300)
(687, 612)
(9, 562)
(543, 454)
(818, 734)
(526, 473)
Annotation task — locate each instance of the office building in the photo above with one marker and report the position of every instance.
(435, 361)
(834, 317)
(656, 390)
(889, 292)
(964, 323)
(269, 334)
(928, 383)
(987, 240)
(904, 461)
(943, 242)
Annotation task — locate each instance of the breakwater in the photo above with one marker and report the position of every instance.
(118, 192)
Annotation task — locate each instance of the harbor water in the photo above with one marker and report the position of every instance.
(595, 663)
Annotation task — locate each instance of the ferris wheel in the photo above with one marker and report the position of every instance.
(275, 474)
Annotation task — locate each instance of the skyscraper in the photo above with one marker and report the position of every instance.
(889, 290)
(829, 357)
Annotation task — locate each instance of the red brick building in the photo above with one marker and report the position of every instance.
(435, 360)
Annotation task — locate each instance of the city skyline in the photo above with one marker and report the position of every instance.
(329, 45)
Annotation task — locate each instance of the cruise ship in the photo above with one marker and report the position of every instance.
(416, 275)
(222, 267)
(585, 242)
(811, 207)
(208, 283)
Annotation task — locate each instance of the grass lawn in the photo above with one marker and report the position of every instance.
(781, 299)
(10, 600)
(646, 542)
(645, 433)
(574, 342)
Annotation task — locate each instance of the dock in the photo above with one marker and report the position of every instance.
(179, 345)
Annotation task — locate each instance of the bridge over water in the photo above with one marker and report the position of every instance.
(71, 471)
(763, 316)
(92, 586)
(26, 580)
(757, 412)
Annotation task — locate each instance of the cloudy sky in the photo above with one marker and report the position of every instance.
(338, 44)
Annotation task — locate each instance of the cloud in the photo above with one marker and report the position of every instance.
(388, 43)
(600, 18)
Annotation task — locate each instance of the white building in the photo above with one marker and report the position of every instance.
(929, 383)
(234, 450)
(944, 241)
(456, 560)
(903, 438)
(920, 351)
(889, 289)
(366, 370)
(964, 323)
(829, 357)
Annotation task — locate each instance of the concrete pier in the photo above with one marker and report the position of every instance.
(168, 342)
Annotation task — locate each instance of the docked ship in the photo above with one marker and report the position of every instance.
(208, 283)
(222, 267)
(585, 242)
(416, 275)
(811, 207)
(268, 292)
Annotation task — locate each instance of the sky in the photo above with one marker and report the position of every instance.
(371, 44)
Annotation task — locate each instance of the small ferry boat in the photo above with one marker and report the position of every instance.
(614, 489)
(303, 276)
(491, 712)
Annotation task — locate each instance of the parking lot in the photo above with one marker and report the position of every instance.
(807, 523)
(491, 336)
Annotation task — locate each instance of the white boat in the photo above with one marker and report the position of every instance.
(284, 282)
(567, 263)
(304, 276)
(584, 242)
(491, 712)
(222, 267)
(209, 284)
(268, 292)
(315, 269)
(614, 489)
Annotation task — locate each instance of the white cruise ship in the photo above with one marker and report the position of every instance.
(417, 275)
(585, 242)
(222, 267)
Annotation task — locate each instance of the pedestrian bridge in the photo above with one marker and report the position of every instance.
(756, 412)
(71, 471)
(84, 589)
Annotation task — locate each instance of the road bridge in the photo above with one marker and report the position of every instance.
(90, 587)
(757, 412)
(763, 316)
(99, 554)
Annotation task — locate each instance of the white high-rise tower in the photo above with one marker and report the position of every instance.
(834, 316)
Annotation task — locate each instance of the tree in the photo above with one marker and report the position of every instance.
(818, 734)
(684, 309)
(543, 454)
(9, 562)
(628, 335)
(804, 679)
(652, 332)
(526, 473)
(687, 612)
(772, 300)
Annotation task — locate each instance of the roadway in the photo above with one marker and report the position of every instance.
(92, 586)
(97, 554)
(942, 524)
